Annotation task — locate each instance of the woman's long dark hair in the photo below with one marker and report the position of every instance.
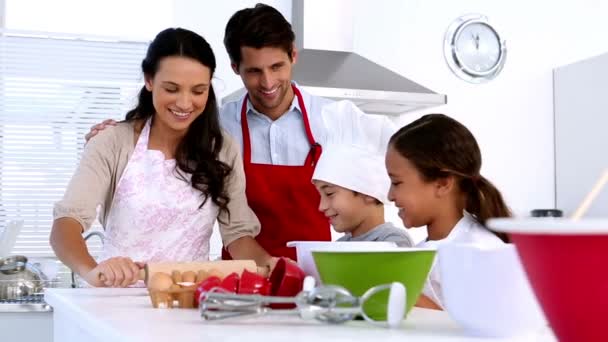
(199, 150)
(440, 146)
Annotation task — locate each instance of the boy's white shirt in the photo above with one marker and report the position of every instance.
(467, 230)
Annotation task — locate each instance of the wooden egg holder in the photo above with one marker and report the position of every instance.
(182, 297)
(181, 292)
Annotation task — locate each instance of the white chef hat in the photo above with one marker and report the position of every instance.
(353, 154)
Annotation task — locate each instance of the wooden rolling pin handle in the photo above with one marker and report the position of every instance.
(264, 271)
(223, 266)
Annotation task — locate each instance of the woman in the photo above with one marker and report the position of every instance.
(162, 177)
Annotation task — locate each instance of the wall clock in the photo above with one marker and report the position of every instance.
(473, 49)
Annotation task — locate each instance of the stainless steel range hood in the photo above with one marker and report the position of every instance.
(328, 67)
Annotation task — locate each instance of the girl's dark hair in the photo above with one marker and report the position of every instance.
(257, 27)
(440, 146)
(198, 151)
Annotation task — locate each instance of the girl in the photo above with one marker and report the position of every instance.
(434, 165)
(162, 177)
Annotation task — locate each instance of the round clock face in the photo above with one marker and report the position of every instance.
(474, 50)
(478, 47)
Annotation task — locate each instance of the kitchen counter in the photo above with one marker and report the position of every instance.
(127, 315)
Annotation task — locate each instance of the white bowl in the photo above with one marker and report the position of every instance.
(486, 291)
(304, 251)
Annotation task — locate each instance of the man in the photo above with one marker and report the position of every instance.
(281, 130)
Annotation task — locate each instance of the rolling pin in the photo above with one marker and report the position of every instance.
(224, 266)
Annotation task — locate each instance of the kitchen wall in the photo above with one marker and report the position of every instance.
(134, 19)
(511, 116)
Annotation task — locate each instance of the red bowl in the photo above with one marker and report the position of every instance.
(286, 278)
(566, 263)
(253, 283)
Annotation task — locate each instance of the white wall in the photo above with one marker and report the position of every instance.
(511, 116)
(133, 19)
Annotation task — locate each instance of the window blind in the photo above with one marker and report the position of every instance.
(53, 88)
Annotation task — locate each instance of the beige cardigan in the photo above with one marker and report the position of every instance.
(103, 162)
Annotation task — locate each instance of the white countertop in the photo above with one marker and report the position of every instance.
(127, 315)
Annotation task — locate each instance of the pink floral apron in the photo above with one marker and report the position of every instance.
(155, 214)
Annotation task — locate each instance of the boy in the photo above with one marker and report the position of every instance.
(352, 180)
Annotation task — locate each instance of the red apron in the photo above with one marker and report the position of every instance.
(283, 196)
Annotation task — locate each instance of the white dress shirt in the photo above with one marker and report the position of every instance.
(282, 141)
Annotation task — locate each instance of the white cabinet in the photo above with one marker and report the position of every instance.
(26, 326)
(581, 133)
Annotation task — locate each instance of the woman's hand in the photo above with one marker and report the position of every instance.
(267, 268)
(114, 272)
(98, 128)
(272, 263)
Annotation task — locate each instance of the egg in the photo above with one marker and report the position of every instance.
(177, 276)
(189, 277)
(160, 282)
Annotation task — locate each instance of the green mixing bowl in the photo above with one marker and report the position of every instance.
(358, 271)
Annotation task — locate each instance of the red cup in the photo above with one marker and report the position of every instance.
(253, 283)
(204, 286)
(565, 261)
(286, 278)
(231, 282)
